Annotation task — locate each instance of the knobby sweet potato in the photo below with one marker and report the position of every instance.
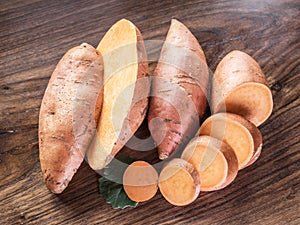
(239, 86)
(126, 91)
(69, 108)
(214, 160)
(178, 94)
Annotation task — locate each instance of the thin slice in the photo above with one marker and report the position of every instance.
(140, 181)
(240, 134)
(126, 90)
(239, 86)
(179, 182)
(214, 160)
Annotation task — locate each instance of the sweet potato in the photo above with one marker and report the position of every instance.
(179, 88)
(67, 115)
(140, 181)
(179, 182)
(240, 87)
(126, 91)
(240, 134)
(214, 160)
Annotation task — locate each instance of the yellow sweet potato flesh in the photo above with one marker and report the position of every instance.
(126, 89)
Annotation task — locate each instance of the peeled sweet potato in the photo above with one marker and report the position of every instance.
(240, 134)
(239, 86)
(69, 108)
(179, 88)
(214, 160)
(126, 91)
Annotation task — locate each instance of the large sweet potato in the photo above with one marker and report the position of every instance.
(67, 116)
(179, 87)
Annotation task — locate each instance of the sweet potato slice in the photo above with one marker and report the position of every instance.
(214, 160)
(140, 181)
(179, 88)
(240, 134)
(179, 182)
(68, 112)
(126, 90)
(240, 87)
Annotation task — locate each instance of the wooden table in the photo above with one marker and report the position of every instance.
(35, 34)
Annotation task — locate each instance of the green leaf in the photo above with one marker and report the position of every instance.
(110, 184)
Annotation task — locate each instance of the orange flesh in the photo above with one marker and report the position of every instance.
(140, 181)
(210, 164)
(120, 59)
(234, 134)
(177, 185)
(250, 100)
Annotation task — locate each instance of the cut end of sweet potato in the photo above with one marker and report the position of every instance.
(126, 90)
(214, 160)
(179, 182)
(239, 86)
(250, 100)
(140, 181)
(240, 134)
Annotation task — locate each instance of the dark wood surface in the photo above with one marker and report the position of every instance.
(35, 34)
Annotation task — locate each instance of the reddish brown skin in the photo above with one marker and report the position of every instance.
(178, 94)
(61, 150)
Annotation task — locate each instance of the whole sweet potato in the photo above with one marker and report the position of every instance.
(179, 88)
(69, 108)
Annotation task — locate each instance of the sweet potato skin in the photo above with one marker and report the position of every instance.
(69, 107)
(179, 88)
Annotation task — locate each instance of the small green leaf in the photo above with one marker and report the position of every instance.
(110, 185)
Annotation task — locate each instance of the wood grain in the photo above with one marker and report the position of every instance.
(35, 34)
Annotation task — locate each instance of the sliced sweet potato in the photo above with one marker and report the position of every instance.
(240, 134)
(140, 181)
(214, 160)
(126, 90)
(179, 182)
(68, 112)
(240, 87)
(179, 88)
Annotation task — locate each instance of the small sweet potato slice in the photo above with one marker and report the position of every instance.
(179, 182)
(214, 160)
(239, 86)
(140, 181)
(240, 134)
